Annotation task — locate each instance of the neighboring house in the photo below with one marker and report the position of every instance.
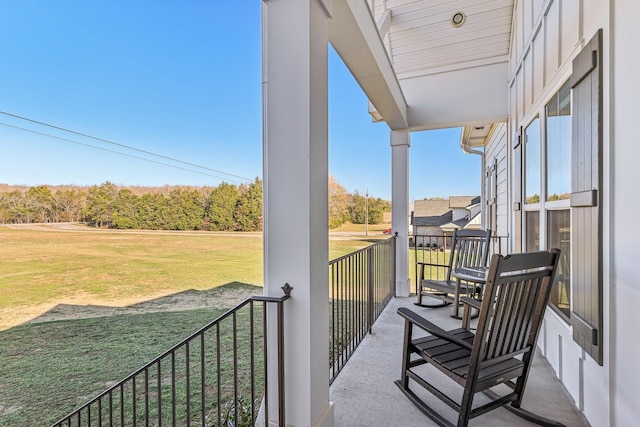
(441, 217)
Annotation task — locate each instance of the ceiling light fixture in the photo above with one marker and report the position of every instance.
(458, 19)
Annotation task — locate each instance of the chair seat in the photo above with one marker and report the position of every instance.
(455, 359)
(447, 286)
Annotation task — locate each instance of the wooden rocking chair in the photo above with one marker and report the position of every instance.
(469, 248)
(501, 350)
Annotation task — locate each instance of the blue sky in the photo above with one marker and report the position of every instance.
(180, 79)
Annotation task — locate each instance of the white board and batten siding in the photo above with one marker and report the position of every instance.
(548, 34)
(496, 157)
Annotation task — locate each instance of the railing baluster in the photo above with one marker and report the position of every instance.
(173, 387)
(266, 364)
(218, 375)
(235, 370)
(110, 408)
(281, 405)
(122, 404)
(187, 362)
(146, 397)
(133, 400)
(203, 389)
(252, 361)
(159, 395)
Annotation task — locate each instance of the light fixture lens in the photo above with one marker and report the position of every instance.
(457, 19)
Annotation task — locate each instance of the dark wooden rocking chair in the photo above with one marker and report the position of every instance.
(469, 248)
(501, 350)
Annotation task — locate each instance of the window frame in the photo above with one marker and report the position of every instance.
(543, 206)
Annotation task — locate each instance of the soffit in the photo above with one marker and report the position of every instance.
(450, 76)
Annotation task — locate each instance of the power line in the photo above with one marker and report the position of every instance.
(122, 154)
(119, 145)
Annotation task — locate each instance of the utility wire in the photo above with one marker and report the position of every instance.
(123, 154)
(117, 144)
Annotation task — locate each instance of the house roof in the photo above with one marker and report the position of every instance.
(437, 213)
(424, 208)
(463, 202)
(432, 221)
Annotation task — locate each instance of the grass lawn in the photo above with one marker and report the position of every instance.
(48, 368)
(45, 268)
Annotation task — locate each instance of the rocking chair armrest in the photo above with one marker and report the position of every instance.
(475, 303)
(423, 264)
(433, 329)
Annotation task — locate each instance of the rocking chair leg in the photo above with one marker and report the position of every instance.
(437, 305)
(443, 304)
(523, 413)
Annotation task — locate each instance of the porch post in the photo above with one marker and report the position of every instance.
(295, 194)
(400, 143)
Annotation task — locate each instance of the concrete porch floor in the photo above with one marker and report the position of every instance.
(365, 395)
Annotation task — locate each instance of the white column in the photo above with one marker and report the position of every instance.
(400, 143)
(295, 194)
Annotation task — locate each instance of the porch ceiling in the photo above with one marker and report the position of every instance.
(449, 75)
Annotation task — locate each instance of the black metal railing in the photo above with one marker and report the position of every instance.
(215, 377)
(360, 286)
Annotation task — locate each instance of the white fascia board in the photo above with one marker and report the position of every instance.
(354, 35)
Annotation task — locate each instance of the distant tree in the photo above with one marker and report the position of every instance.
(99, 207)
(367, 209)
(6, 214)
(39, 203)
(125, 209)
(248, 213)
(68, 205)
(339, 200)
(150, 211)
(377, 208)
(222, 205)
(185, 210)
(15, 208)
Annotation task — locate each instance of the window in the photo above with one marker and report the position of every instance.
(558, 145)
(547, 191)
(532, 225)
(558, 191)
(559, 236)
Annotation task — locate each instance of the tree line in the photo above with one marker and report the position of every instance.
(226, 207)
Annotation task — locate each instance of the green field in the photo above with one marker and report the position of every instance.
(45, 268)
(49, 367)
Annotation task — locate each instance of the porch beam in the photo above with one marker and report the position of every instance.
(295, 163)
(355, 37)
(400, 143)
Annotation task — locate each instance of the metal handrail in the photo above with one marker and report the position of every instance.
(114, 405)
(360, 286)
